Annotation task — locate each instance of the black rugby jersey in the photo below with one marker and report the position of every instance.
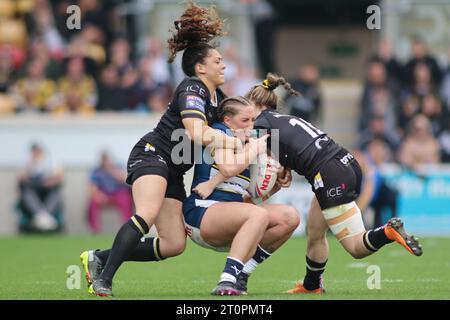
(190, 100)
(302, 147)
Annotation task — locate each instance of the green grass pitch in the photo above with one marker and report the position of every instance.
(34, 267)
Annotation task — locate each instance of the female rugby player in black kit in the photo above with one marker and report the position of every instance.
(335, 178)
(157, 182)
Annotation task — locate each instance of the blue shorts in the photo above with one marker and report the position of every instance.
(194, 209)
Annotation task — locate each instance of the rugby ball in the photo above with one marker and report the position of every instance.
(263, 175)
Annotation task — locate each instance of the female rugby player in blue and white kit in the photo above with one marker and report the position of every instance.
(223, 221)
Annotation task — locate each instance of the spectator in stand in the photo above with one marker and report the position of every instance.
(77, 90)
(393, 67)
(157, 102)
(120, 55)
(94, 40)
(376, 193)
(245, 78)
(40, 192)
(409, 108)
(377, 129)
(101, 14)
(6, 71)
(378, 97)
(307, 105)
(34, 92)
(130, 84)
(444, 142)
(421, 55)
(146, 87)
(433, 110)
(79, 47)
(445, 87)
(158, 67)
(412, 97)
(423, 82)
(43, 25)
(52, 62)
(111, 95)
(107, 187)
(419, 147)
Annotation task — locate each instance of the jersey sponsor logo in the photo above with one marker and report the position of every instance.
(196, 88)
(194, 102)
(348, 158)
(336, 192)
(149, 147)
(318, 182)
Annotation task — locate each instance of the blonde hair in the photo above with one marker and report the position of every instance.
(263, 94)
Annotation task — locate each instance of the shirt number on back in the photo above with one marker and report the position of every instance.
(308, 127)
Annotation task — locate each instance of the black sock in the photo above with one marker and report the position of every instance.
(126, 240)
(375, 239)
(314, 272)
(147, 250)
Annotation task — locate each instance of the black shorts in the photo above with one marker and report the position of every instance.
(146, 160)
(338, 181)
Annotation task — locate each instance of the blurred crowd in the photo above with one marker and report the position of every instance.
(403, 111)
(405, 107)
(46, 67)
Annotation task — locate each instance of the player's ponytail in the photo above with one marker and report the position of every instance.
(194, 30)
(263, 94)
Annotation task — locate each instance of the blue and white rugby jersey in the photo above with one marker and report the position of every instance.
(232, 189)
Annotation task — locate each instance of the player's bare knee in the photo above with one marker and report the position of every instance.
(292, 218)
(315, 240)
(261, 216)
(355, 254)
(350, 245)
(314, 235)
(175, 247)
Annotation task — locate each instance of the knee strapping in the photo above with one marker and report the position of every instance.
(344, 220)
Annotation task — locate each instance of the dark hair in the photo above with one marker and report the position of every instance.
(229, 106)
(36, 146)
(262, 94)
(194, 30)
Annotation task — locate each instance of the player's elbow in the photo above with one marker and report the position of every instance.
(228, 171)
